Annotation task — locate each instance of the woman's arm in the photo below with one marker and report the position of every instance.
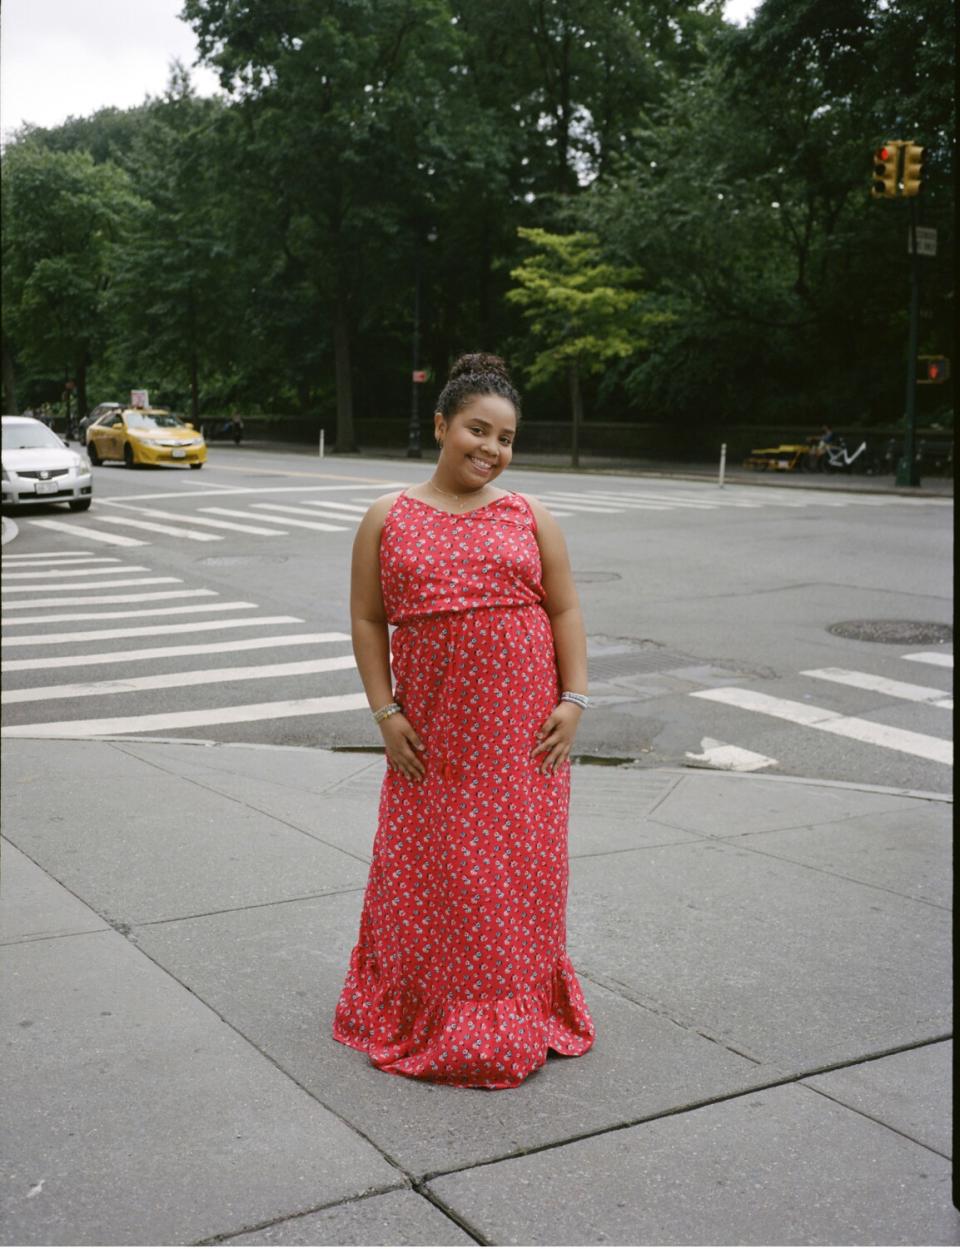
(562, 605)
(371, 640)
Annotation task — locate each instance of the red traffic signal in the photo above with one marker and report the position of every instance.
(933, 369)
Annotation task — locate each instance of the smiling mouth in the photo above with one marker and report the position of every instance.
(482, 465)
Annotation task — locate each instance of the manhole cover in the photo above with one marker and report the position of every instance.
(593, 575)
(233, 561)
(897, 632)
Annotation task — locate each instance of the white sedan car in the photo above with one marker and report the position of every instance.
(38, 467)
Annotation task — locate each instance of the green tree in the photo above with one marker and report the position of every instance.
(580, 309)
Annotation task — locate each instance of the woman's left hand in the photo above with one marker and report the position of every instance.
(555, 736)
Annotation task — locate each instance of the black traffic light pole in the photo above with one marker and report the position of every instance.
(908, 474)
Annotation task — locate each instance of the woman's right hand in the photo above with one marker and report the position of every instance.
(401, 741)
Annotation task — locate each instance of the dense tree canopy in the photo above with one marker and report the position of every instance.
(258, 251)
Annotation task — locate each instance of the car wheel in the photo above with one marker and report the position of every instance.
(200, 465)
(92, 454)
(79, 505)
(128, 460)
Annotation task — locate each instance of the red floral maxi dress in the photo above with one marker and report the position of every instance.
(460, 973)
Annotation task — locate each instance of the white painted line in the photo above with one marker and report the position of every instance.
(95, 535)
(577, 506)
(179, 680)
(85, 600)
(162, 721)
(646, 502)
(244, 490)
(729, 758)
(75, 562)
(281, 520)
(903, 740)
(54, 555)
(145, 631)
(299, 511)
(192, 535)
(94, 585)
(194, 519)
(152, 612)
(882, 685)
(933, 657)
(76, 572)
(111, 657)
(358, 508)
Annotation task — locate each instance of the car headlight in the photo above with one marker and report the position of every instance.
(80, 461)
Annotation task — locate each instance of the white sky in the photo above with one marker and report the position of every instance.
(62, 58)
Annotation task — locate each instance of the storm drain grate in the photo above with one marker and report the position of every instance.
(609, 658)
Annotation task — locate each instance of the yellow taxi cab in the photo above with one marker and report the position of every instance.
(145, 436)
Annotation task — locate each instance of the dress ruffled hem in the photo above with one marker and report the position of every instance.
(468, 1043)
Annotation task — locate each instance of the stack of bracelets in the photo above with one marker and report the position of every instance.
(568, 696)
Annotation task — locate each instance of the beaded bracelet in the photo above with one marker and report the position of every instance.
(389, 710)
(581, 700)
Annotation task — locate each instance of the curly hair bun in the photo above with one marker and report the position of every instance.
(479, 362)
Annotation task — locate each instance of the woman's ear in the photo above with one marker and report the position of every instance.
(439, 428)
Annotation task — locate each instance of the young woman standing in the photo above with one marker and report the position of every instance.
(460, 973)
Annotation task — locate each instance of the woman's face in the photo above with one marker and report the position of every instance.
(477, 440)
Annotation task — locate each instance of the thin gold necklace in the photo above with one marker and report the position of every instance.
(451, 495)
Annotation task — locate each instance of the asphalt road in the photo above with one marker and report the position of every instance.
(708, 613)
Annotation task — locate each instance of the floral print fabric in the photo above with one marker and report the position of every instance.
(460, 973)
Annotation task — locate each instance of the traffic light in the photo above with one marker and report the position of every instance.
(933, 369)
(886, 161)
(914, 158)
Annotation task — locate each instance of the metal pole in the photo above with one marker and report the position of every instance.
(723, 461)
(908, 474)
(321, 442)
(413, 442)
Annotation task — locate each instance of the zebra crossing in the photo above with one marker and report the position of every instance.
(226, 512)
(165, 670)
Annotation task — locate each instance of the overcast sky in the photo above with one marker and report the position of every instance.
(63, 58)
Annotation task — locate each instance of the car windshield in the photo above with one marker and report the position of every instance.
(154, 420)
(27, 437)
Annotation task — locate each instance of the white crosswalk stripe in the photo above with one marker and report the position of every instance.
(287, 508)
(95, 585)
(883, 685)
(83, 600)
(79, 561)
(321, 526)
(826, 720)
(110, 658)
(104, 635)
(84, 531)
(164, 721)
(152, 526)
(939, 661)
(152, 612)
(178, 680)
(56, 556)
(333, 505)
(76, 572)
(195, 519)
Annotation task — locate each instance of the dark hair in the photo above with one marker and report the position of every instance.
(476, 373)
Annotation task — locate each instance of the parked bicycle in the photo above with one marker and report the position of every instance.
(833, 457)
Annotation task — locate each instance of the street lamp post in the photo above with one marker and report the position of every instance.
(417, 376)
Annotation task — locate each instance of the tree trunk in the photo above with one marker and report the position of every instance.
(194, 390)
(9, 381)
(80, 377)
(576, 407)
(346, 439)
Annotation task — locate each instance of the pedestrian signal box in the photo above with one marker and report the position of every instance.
(932, 369)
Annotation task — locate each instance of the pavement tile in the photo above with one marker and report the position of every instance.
(908, 1091)
(906, 853)
(785, 1166)
(400, 1217)
(276, 973)
(708, 931)
(33, 906)
(143, 1118)
(138, 843)
(609, 810)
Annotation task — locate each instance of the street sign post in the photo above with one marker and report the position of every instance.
(926, 241)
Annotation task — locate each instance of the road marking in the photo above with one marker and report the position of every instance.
(687, 499)
(298, 511)
(178, 680)
(299, 524)
(50, 561)
(95, 535)
(924, 747)
(345, 507)
(95, 585)
(933, 657)
(565, 499)
(84, 600)
(882, 685)
(243, 490)
(171, 652)
(194, 519)
(730, 758)
(127, 615)
(78, 572)
(245, 714)
(54, 555)
(583, 507)
(102, 635)
(192, 535)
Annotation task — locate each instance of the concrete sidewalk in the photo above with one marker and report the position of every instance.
(767, 961)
